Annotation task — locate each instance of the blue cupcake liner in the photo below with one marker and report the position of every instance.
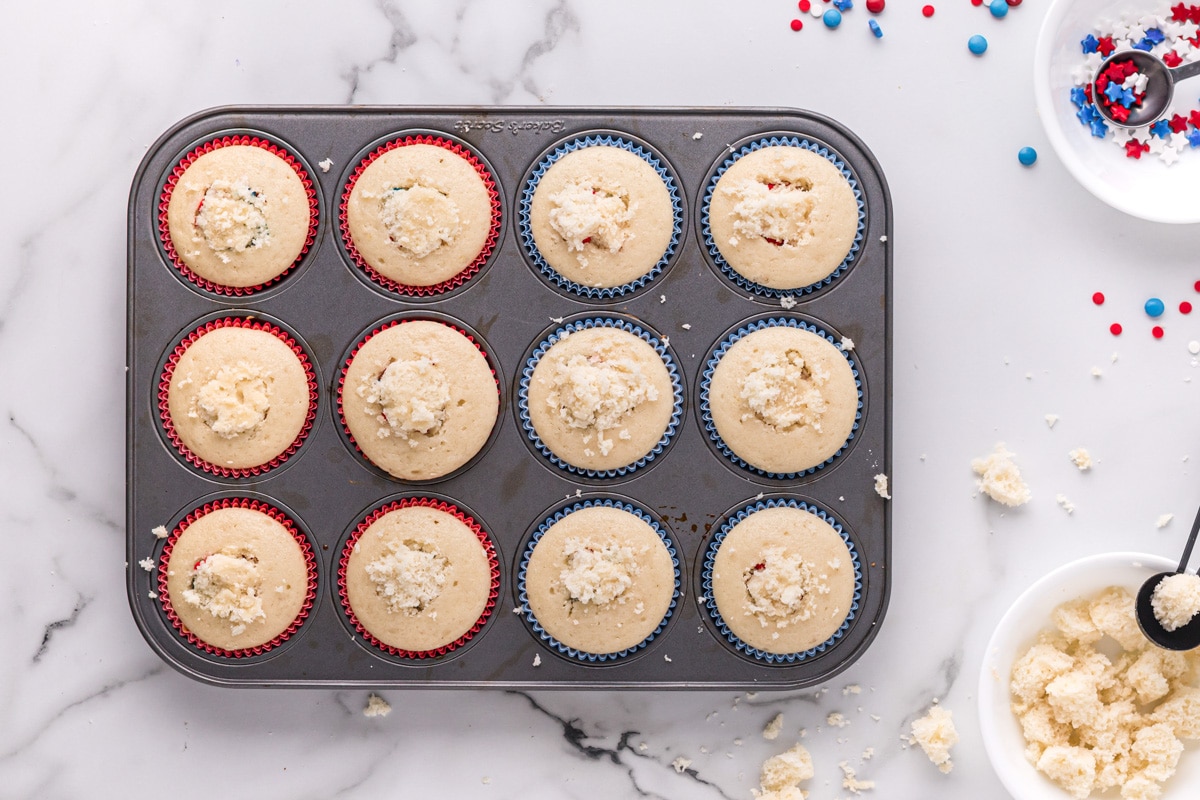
(710, 245)
(710, 605)
(574, 327)
(523, 596)
(710, 427)
(524, 224)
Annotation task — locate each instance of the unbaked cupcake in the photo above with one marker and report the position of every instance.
(598, 580)
(421, 214)
(237, 578)
(418, 398)
(600, 216)
(782, 580)
(783, 216)
(237, 397)
(418, 578)
(237, 214)
(778, 397)
(600, 397)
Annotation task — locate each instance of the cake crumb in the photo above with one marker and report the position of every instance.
(1163, 520)
(787, 302)
(781, 775)
(1051, 419)
(836, 719)
(662, 298)
(1000, 479)
(936, 734)
(485, 780)
(1081, 458)
(686, 326)
(852, 688)
(847, 344)
(1065, 503)
(147, 564)
(1176, 600)
(160, 532)
(152, 595)
(850, 781)
(1096, 372)
(681, 763)
(376, 707)
(325, 164)
(697, 136)
(881, 486)
(771, 731)
(667, 658)
(537, 659)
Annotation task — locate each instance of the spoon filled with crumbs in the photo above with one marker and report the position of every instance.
(1168, 604)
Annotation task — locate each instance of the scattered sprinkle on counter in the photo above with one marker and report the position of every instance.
(977, 44)
(875, 6)
(376, 707)
(797, 25)
(875, 29)
(1185, 307)
(999, 8)
(1164, 520)
(927, 11)
(832, 18)
(1155, 307)
(1157, 332)
(1098, 298)
(1194, 347)
(1064, 503)
(1115, 329)
(1028, 157)
(805, 6)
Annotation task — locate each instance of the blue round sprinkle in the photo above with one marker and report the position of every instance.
(977, 44)
(1155, 307)
(875, 29)
(1027, 156)
(999, 8)
(832, 18)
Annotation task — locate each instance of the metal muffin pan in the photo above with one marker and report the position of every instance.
(328, 303)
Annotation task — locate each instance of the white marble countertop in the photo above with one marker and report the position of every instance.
(995, 265)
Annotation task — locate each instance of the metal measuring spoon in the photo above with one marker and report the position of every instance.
(1184, 638)
(1160, 87)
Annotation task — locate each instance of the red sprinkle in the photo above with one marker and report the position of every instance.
(1196, 286)
(875, 6)
(1185, 307)
(797, 24)
(927, 11)
(1115, 329)
(1157, 331)
(1014, 3)
(976, 2)
(1098, 298)
(805, 6)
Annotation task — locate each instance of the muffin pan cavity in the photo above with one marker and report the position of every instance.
(508, 485)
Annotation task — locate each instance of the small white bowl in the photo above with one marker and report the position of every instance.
(1146, 187)
(1017, 630)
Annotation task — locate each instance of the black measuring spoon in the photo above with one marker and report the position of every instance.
(1160, 87)
(1186, 637)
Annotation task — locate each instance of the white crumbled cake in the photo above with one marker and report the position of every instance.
(782, 775)
(1081, 458)
(233, 218)
(936, 734)
(419, 219)
(1092, 722)
(771, 731)
(850, 780)
(408, 575)
(591, 212)
(228, 586)
(1000, 479)
(409, 399)
(881, 486)
(234, 401)
(599, 574)
(1176, 600)
(376, 707)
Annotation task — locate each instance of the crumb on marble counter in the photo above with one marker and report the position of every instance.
(376, 707)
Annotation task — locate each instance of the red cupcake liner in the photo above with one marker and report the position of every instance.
(164, 231)
(341, 383)
(471, 269)
(310, 561)
(164, 387)
(484, 540)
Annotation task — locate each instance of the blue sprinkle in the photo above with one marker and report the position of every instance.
(1090, 44)
(1161, 129)
(1155, 35)
(832, 18)
(1099, 129)
(875, 29)
(1079, 97)
(1155, 307)
(1086, 114)
(999, 8)
(977, 44)
(843, 5)
(1144, 44)
(1127, 98)
(1113, 92)
(1193, 137)
(1027, 156)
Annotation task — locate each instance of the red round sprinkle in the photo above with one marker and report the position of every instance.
(1098, 298)
(1185, 307)
(797, 24)
(927, 11)
(1157, 331)
(1196, 286)
(875, 6)
(1014, 2)
(805, 6)
(976, 2)
(1115, 329)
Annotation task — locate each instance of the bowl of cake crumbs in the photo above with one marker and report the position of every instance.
(1074, 701)
(1148, 172)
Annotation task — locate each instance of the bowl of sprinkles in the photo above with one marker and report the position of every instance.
(1148, 171)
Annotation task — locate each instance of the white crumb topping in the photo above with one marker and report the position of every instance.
(598, 575)
(376, 707)
(234, 401)
(1000, 479)
(881, 486)
(232, 218)
(227, 585)
(409, 399)
(587, 213)
(1081, 458)
(408, 576)
(781, 213)
(147, 564)
(160, 532)
(419, 219)
(1176, 600)
(596, 391)
(771, 731)
(936, 734)
(782, 587)
(325, 164)
(784, 391)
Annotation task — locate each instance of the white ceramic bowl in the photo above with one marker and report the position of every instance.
(1017, 630)
(1146, 187)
